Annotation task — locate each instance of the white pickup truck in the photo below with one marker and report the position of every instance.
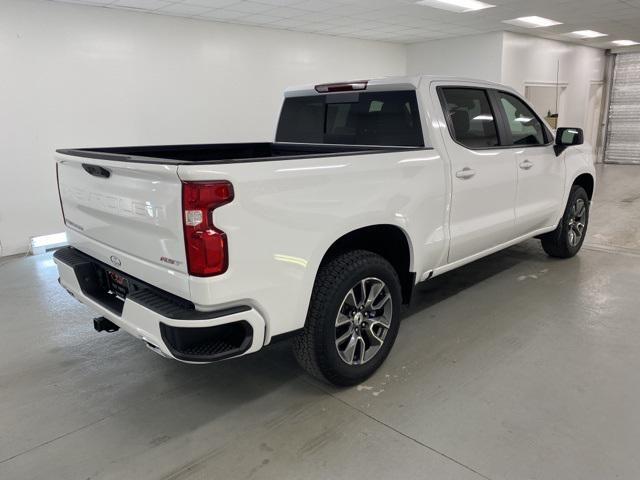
(207, 252)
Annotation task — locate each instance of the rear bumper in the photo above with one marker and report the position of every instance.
(168, 324)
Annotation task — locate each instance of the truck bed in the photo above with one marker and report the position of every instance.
(216, 153)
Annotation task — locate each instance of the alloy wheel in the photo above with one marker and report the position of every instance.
(363, 321)
(577, 222)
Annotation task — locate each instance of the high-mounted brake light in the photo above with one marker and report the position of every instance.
(206, 245)
(342, 87)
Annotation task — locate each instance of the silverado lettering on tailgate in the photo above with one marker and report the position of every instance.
(121, 206)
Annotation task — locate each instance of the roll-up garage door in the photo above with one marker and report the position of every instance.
(623, 132)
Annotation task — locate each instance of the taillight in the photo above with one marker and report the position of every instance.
(206, 245)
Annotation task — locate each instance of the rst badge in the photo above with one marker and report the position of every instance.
(170, 261)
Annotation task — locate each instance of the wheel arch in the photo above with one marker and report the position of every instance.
(586, 181)
(389, 241)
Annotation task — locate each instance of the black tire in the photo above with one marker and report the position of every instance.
(315, 348)
(559, 243)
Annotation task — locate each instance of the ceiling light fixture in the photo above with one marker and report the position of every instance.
(625, 43)
(586, 34)
(460, 6)
(532, 22)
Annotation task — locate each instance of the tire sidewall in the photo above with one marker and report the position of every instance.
(577, 192)
(350, 374)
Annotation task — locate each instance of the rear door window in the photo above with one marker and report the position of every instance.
(352, 118)
(469, 116)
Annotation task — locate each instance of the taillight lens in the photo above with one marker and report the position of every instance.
(206, 245)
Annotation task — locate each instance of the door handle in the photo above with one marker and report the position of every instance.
(466, 173)
(526, 165)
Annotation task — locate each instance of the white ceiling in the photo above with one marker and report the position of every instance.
(403, 21)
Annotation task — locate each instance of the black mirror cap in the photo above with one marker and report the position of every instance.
(568, 137)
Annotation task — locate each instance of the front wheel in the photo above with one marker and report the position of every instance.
(353, 318)
(566, 240)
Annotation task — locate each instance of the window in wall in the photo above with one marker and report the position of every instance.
(525, 127)
(470, 117)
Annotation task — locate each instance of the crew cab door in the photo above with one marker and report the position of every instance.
(483, 174)
(540, 172)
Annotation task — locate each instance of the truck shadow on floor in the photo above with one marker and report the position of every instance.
(447, 285)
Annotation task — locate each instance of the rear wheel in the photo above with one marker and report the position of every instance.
(353, 318)
(566, 240)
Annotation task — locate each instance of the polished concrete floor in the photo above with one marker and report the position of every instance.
(515, 367)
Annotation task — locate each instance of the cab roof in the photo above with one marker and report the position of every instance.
(386, 83)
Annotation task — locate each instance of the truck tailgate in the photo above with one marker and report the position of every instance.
(128, 215)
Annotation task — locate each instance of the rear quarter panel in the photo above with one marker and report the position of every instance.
(286, 214)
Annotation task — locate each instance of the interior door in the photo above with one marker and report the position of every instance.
(540, 172)
(483, 174)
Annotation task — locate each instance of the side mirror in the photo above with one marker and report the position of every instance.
(568, 137)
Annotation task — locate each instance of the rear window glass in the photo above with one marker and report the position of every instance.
(353, 118)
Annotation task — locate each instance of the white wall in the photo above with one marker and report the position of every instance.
(518, 60)
(534, 60)
(76, 76)
(477, 56)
